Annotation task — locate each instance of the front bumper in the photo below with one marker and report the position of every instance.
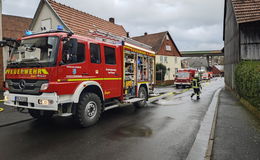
(32, 101)
(182, 83)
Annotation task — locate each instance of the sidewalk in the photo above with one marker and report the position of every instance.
(237, 134)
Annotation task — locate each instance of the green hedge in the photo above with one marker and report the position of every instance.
(247, 80)
(160, 72)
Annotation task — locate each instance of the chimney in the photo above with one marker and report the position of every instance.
(145, 33)
(112, 20)
(127, 35)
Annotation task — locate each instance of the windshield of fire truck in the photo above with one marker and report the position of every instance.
(205, 74)
(39, 51)
(183, 74)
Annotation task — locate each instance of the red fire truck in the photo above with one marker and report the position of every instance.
(184, 77)
(206, 76)
(57, 72)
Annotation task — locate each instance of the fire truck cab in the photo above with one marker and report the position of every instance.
(57, 72)
(184, 77)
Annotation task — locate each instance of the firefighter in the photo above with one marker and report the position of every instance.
(196, 86)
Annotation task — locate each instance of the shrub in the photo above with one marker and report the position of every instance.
(247, 81)
(160, 71)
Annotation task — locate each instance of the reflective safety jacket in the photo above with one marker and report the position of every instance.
(195, 83)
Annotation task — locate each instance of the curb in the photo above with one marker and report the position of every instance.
(212, 134)
(202, 146)
(250, 107)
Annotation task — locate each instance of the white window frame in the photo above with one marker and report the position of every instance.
(165, 59)
(161, 59)
(168, 48)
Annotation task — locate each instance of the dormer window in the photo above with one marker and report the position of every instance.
(168, 48)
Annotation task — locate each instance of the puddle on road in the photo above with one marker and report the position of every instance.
(133, 130)
(140, 130)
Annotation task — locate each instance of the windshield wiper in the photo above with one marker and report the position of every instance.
(34, 60)
(30, 59)
(13, 64)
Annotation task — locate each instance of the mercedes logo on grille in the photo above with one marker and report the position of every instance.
(22, 84)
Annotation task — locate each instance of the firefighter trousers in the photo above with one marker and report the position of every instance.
(197, 92)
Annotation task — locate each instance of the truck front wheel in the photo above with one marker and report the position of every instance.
(88, 110)
(141, 94)
(38, 114)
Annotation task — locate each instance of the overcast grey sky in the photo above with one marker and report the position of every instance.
(193, 24)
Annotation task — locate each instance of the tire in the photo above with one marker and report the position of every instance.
(177, 86)
(39, 114)
(88, 110)
(141, 94)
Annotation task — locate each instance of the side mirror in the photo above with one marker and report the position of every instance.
(73, 46)
(3, 43)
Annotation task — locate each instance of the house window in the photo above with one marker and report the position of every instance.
(161, 59)
(46, 25)
(168, 48)
(110, 55)
(176, 59)
(95, 53)
(165, 60)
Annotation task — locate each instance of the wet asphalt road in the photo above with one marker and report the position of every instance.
(165, 130)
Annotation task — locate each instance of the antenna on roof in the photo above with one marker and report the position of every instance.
(70, 34)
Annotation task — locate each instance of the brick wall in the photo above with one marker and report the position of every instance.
(12, 27)
(166, 83)
(173, 52)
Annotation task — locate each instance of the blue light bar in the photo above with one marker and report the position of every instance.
(60, 27)
(28, 33)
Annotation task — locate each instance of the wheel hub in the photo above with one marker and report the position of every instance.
(91, 109)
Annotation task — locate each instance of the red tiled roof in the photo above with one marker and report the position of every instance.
(14, 26)
(246, 10)
(153, 40)
(156, 41)
(80, 22)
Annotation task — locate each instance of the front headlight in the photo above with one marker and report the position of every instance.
(44, 86)
(6, 98)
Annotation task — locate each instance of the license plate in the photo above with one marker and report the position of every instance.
(21, 99)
